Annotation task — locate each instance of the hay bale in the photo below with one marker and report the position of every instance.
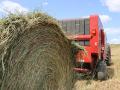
(36, 55)
(1, 71)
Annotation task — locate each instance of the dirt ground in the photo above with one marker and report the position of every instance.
(113, 83)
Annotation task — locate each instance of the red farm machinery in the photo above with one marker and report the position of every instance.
(89, 33)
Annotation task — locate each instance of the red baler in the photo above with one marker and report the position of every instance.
(89, 32)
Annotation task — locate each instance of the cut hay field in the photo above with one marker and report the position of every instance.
(113, 83)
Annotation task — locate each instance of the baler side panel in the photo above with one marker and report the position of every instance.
(94, 41)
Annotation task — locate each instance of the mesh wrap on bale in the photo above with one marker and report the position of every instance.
(36, 54)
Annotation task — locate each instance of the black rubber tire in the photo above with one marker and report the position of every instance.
(108, 55)
(102, 70)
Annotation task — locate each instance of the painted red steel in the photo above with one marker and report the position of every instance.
(93, 37)
(97, 42)
(79, 37)
(96, 45)
(81, 70)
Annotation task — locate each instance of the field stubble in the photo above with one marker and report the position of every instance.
(113, 83)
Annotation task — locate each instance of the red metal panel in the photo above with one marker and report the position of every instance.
(93, 37)
(94, 42)
(79, 37)
(81, 70)
(87, 58)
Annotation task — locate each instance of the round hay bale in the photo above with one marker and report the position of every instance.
(37, 55)
(1, 70)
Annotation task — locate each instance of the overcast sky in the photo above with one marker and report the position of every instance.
(108, 10)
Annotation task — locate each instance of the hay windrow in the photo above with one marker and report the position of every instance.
(35, 53)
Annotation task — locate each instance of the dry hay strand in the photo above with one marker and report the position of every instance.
(36, 55)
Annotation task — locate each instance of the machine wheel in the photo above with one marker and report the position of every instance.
(102, 70)
(108, 55)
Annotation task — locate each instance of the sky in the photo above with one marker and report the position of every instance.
(108, 10)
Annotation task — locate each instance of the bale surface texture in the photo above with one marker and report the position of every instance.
(35, 54)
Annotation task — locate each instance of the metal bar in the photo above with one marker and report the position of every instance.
(79, 37)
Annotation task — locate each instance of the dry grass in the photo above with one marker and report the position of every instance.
(36, 54)
(114, 70)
